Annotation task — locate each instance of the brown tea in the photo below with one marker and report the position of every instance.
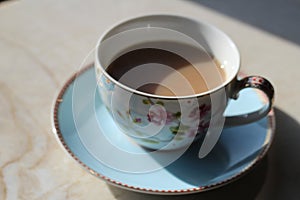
(161, 72)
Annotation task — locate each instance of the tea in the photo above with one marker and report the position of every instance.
(162, 72)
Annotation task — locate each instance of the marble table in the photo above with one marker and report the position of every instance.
(43, 42)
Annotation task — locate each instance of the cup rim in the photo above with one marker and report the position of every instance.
(134, 91)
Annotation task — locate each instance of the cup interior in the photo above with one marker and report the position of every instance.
(133, 33)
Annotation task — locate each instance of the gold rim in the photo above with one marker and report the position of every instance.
(57, 132)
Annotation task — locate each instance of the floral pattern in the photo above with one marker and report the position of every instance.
(200, 112)
(173, 126)
(159, 115)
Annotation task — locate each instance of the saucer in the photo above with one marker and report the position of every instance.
(89, 135)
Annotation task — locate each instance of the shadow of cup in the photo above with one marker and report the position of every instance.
(283, 177)
(247, 187)
(277, 176)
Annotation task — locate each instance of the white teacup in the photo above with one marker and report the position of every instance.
(169, 122)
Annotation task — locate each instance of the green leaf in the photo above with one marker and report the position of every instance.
(180, 129)
(160, 103)
(174, 129)
(146, 101)
(183, 127)
(150, 141)
(177, 115)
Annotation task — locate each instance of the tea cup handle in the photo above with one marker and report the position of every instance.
(257, 82)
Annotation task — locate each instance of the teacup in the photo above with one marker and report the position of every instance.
(162, 120)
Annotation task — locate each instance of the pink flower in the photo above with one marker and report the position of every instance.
(159, 116)
(203, 126)
(137, 120)
(204, 109)
(195, 114)
(198, 113)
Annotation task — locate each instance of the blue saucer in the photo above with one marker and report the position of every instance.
(88, 133)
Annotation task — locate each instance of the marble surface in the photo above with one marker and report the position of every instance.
(43, 42)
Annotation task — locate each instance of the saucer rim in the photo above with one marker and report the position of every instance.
(59, 137)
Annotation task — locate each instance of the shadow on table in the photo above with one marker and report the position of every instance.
(3, 1)
(283, 177)
(277, 176)
(279, 17)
